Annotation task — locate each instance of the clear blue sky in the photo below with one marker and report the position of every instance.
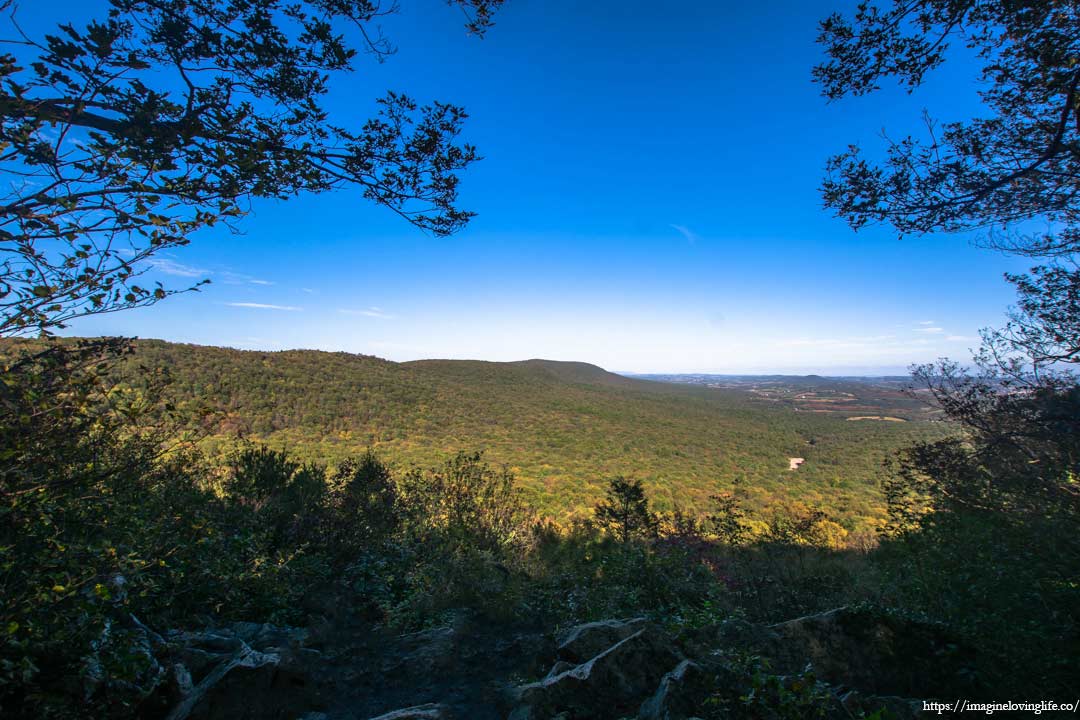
(648, 202)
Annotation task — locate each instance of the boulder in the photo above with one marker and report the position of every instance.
(268, 638)
(559, 668)
(133, 640)
(679, 695)
(179, 684)
(584, 642)
(231, 689)
(217, 675)
(728, 636)
(876, 653)
(427, 711)
(611, 684)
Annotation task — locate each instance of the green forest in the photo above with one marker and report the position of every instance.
(562, 428)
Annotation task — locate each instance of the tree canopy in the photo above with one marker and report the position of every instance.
(1021, 162)
(127, 135)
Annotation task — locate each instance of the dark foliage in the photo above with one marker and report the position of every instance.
(625, 510)
(1021, 163)
(1014, 174)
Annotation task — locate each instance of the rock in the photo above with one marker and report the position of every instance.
(231, 689)
(198, 662)
(428, 711)
(727, 636)
(611, 684)
(585, 642)
(429, 651)
(179, 684)
(267, 638)
(559, 668)
(681, 692)
(528, 653)
(213, 642)
(135, 642)
(249, 684)
(522, 712)
(875, 653)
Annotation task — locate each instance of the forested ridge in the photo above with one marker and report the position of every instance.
(562, 427)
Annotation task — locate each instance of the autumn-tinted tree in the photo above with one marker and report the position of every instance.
(625, 510)
(120, 139)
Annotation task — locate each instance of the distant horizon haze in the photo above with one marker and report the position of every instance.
(774, 370)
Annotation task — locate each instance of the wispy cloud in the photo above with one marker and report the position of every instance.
(309, 291)
(932, 330)
(262, 306)
(371, 312)
(927, 322)
(690, 235)
(171, 267)
(234, 278)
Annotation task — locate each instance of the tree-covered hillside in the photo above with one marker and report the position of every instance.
(564, 428)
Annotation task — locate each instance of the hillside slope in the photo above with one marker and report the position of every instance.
(563, 427)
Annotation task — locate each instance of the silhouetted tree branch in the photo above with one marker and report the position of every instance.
(123, 138)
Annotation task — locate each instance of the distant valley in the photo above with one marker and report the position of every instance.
(888, 398)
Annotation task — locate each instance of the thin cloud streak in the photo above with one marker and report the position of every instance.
(171, 267)
(263, 306)
(690, 235)
(371, 312)
(168, 266)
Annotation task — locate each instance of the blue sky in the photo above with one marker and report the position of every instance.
(648, 202)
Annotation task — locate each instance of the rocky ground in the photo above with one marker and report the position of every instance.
(845, 662)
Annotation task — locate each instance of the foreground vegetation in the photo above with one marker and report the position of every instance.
(109, 529)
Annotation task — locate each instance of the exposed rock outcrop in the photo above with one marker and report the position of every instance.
(584, 642)
(614, 681)
(875, 653)
(680, 694)
(242, 671)
(848, 661)
(427, 711)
